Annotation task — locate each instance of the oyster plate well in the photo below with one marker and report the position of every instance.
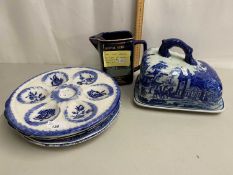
(61, 106)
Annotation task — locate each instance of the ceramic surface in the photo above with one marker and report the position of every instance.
(174, 80)
(87, 135)
(168, 107)
(62, 102)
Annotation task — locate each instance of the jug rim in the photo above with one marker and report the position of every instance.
(100, 37)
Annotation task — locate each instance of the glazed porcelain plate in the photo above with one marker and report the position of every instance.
(170, 107)
(62, 102)
(78, 138)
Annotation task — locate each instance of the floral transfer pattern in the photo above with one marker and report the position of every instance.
(41, 114)
(85, 77)
(99, 91)
(32, 95)
(80, 111)
(55, 78)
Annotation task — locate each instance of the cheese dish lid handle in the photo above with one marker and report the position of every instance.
(174, 42)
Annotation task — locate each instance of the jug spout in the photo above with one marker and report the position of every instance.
(94, 40)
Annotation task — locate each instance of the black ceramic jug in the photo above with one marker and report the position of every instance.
(116, 50)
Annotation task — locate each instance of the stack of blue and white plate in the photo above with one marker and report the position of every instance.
(63, 107)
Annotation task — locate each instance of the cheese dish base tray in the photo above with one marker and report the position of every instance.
(140, 103)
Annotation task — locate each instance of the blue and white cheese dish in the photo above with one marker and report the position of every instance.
(62, 102)
(169, 80)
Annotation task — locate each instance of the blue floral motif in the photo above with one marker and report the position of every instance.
(55, 81)
(55, 78)
(32, 95)
(41, 114)
(45, 114)
(96, 94)
(83, 111)
(80, 112)
(85, 77)
(35, 96)
(99, 91)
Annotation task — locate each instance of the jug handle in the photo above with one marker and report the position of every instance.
(143, 42)
(174, 42)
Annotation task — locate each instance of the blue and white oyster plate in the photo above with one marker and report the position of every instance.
(62, 102)
(169, 80)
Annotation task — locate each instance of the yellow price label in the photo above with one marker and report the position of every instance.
(116, 58)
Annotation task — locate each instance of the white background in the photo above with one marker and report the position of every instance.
(57, 31)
